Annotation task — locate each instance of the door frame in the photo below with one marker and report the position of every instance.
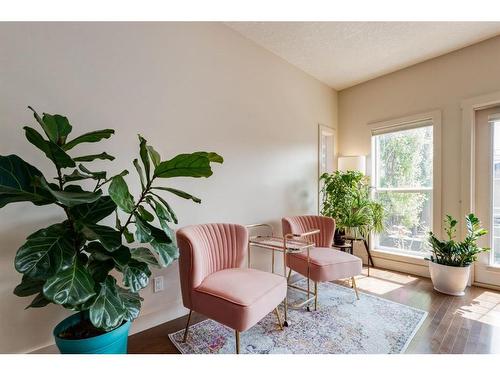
(468, 159)
(333, 132)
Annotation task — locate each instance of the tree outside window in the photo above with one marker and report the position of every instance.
(403, 185)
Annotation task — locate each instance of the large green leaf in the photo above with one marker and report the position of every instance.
(118, 190)
(95, 211)
(145, 214)
(59, 126)
(145, 255)
(163, 209)
(97, 252)
(71, 197)
(28, 287)
(17, 182)
(109, 237)
(95, 175)
(139, 172)
(131, 303)
(76, 175)
(101, 156)
(107, 311)
(143, 232)
(186, 165)
(90, 137)
(168, 252)
(72, 286)
(39, 301)
(99, 269)
(143, 152)
(154, 155)
(212, 156)
(55, 153)
(179, 193)
(136, 275)
(46, 252)
(146, 232)
(129, 236)
(56, 127)
(169, 232)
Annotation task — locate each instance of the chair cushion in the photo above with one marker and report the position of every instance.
(239, 297)
(326, 264)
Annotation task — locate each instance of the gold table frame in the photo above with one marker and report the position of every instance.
(289, 244)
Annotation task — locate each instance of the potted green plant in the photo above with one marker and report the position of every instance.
(450, 260)
(346, 198)
(79, 263)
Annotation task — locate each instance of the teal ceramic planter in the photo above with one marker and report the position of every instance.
(112, 342)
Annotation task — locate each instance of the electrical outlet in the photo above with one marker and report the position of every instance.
(158, 284)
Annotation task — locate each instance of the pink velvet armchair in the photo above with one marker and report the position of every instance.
(214, 283)
(325, 263)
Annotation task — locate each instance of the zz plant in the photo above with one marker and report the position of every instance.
(80, 263)
(454, 253)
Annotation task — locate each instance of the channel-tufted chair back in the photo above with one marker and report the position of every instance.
(303, 224)
(208, 248)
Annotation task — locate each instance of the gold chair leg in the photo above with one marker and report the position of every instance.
(315, 295)
(289, 274)
(355, 287)
(237, 333)
(187, 327)
(276, 311)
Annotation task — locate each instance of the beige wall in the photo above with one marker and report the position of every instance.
(185, 87)
(439, 84)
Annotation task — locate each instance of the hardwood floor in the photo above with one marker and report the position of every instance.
(468, 324)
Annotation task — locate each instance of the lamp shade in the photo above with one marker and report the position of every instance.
(352, 163)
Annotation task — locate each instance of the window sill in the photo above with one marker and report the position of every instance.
(400, 257)
(493, 267)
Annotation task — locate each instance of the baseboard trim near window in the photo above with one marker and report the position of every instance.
(398, 257)
(401, 266)
(395, 262)
(486, 286)
(414, 266)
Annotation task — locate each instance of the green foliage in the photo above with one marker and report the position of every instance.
(69, 263)
(46, 251)
(118, 191)
(18, 182)
(405, 161)
(406, 158)
(454, 253)
(346, 198)
(196, 164)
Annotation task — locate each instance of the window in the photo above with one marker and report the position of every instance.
(495, 209)
(403, 179)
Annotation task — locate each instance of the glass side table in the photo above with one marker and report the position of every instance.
(289, 244)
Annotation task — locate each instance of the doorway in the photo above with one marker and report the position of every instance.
(487, 192)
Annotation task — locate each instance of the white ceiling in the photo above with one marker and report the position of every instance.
(343, 54)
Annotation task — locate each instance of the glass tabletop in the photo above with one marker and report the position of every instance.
(276, 243)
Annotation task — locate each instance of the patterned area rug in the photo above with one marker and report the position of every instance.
(342, 325)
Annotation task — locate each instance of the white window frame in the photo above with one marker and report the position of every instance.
(469, 106)
(493, 120)
(403, 123)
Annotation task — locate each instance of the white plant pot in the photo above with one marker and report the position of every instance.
(449, 280)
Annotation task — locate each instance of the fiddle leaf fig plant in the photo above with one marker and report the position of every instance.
(81, 263)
